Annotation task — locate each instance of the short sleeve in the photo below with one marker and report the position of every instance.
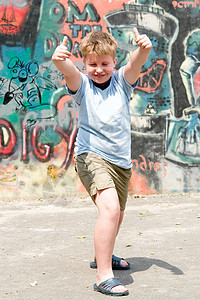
(77, 96)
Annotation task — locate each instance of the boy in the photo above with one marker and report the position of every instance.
(102, 152)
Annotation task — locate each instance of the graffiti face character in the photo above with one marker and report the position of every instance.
(13, 14)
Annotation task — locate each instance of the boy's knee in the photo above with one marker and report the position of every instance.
(114, 212)
(108, 203)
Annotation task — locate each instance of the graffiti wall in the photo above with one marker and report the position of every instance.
(38, 120)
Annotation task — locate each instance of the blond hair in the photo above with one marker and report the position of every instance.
(98, 42)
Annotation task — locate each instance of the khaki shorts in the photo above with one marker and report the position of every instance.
(97, 174)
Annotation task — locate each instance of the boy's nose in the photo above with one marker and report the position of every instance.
(98, 69)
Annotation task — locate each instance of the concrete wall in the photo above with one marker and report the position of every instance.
(37, 117)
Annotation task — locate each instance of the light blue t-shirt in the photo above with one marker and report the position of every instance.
(104, 119)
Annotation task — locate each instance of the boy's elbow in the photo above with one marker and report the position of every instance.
(54, 60)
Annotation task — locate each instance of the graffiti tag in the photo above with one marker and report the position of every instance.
(185, 4)
(147, 165)
(43, 152)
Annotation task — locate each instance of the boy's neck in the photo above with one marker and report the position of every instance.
(102, 86)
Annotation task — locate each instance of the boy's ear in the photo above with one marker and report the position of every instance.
(115, 60)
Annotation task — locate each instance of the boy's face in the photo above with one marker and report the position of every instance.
(100, 67)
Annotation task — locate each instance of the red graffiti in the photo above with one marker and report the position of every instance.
(13, 16)
(147, 165)
(70, 142)
(41, 151)
(44, 152)
(8, 138)
(140, 185)
(24, 142)
(196, 83)
(185, 4)
(150, 80)
(30, 142)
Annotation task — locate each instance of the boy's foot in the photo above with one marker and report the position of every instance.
(120, 263)
(117, 264)
(111, 287)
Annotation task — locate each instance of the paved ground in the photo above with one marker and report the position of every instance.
(45, 249)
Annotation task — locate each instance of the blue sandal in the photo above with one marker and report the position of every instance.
(106, 286)
(116, 264)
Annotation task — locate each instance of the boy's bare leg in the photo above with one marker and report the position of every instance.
(123, 262)
(105, 233)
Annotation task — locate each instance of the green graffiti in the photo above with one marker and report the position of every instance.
(53, 13)
(74, 12)
(193, 44)
(57, 13)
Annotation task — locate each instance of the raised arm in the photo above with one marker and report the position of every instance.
(138, 57)
(61, 59)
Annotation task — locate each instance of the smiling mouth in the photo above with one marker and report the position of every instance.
(8, 27)
(150, 80)
(99, 76)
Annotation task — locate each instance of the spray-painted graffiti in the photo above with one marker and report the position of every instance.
(8, 138)
(19, 25)
(184, 142)
(150, 80)
(8, 178)
(153, 21)
(25, 88)
(185, 4)
(38, 120)
(147, 165)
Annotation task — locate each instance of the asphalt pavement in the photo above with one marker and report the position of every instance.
(46, 246)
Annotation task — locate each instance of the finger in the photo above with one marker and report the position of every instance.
(143, 41)
(135, 31)
(60, 59)
(147, 45)
(64, 42)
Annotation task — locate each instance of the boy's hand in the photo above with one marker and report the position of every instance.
(138, 57)
(142, 40)
(61, 53)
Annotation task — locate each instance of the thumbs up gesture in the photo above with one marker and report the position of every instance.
(61, 53)
(142, 40)
(64, 42)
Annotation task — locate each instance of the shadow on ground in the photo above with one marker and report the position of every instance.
(141, 264)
